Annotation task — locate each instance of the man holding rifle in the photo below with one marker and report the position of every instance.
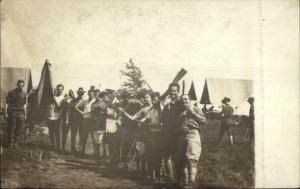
(170, 115)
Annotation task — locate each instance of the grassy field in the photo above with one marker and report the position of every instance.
(219, 166)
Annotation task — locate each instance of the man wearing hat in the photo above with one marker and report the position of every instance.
(75, 118)
(251, 119)
(226, 120)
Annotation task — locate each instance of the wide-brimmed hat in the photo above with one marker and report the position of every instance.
(225, 99)
(80, 90)
(250, 99)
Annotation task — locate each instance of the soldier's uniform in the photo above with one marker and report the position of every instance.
(226, 122)
(189, 143)
(16, 99)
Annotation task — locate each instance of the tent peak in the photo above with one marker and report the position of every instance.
(47, 62)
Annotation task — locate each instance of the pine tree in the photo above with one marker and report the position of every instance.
(134, 77)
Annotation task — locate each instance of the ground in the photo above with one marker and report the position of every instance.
(219, 166)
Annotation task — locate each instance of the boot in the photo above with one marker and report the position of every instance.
(192, 175)
(185, 176)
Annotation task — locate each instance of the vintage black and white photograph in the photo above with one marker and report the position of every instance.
(129, 94)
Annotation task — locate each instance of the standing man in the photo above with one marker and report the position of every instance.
(15, 111)
(226, 120)
(66, 117)
(153, 138)
(128, 128)
(189, 143)
(84, 108)
(75, 118)
(251, 119)
(146, 118)
(98, 112)
(54, 120)
(170, 124)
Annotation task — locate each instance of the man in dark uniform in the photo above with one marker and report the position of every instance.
(251, 119)
(170, 124)
(226, 120)
(16, 113)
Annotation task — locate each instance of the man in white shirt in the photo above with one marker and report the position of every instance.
(84, 108)
(54, 119)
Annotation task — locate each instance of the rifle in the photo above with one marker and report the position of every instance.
(176, 79)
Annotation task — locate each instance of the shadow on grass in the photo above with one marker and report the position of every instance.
(114, 173)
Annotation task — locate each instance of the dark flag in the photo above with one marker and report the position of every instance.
(39, 101)
(205, 95)
(29, 85)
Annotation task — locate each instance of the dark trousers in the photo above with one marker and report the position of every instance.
(65, 130)
(16, 124)
(85, 129)
(74, 125)
(113, 140)
(225, 127)
(168, 143)
(54, 132)
(153, 153)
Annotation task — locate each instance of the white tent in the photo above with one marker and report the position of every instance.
(211, 91)
(9, 78)
(243, 108)
(215, 89)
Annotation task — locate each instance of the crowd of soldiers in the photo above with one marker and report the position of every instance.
(156, 131)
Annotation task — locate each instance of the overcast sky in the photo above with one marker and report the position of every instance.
(88, 41)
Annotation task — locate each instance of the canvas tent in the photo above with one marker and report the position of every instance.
(215, 89)
(9, 78)
(243, 108)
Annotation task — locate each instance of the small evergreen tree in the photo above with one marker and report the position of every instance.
(134, 77)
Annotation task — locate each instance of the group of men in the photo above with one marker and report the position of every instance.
(159, 133)
(82, 116)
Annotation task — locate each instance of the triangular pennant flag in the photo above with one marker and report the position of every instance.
(205, 95)
(29, 85)
(40, 100)
(192, 92)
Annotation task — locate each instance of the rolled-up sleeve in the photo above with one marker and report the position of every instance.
(199, 116)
